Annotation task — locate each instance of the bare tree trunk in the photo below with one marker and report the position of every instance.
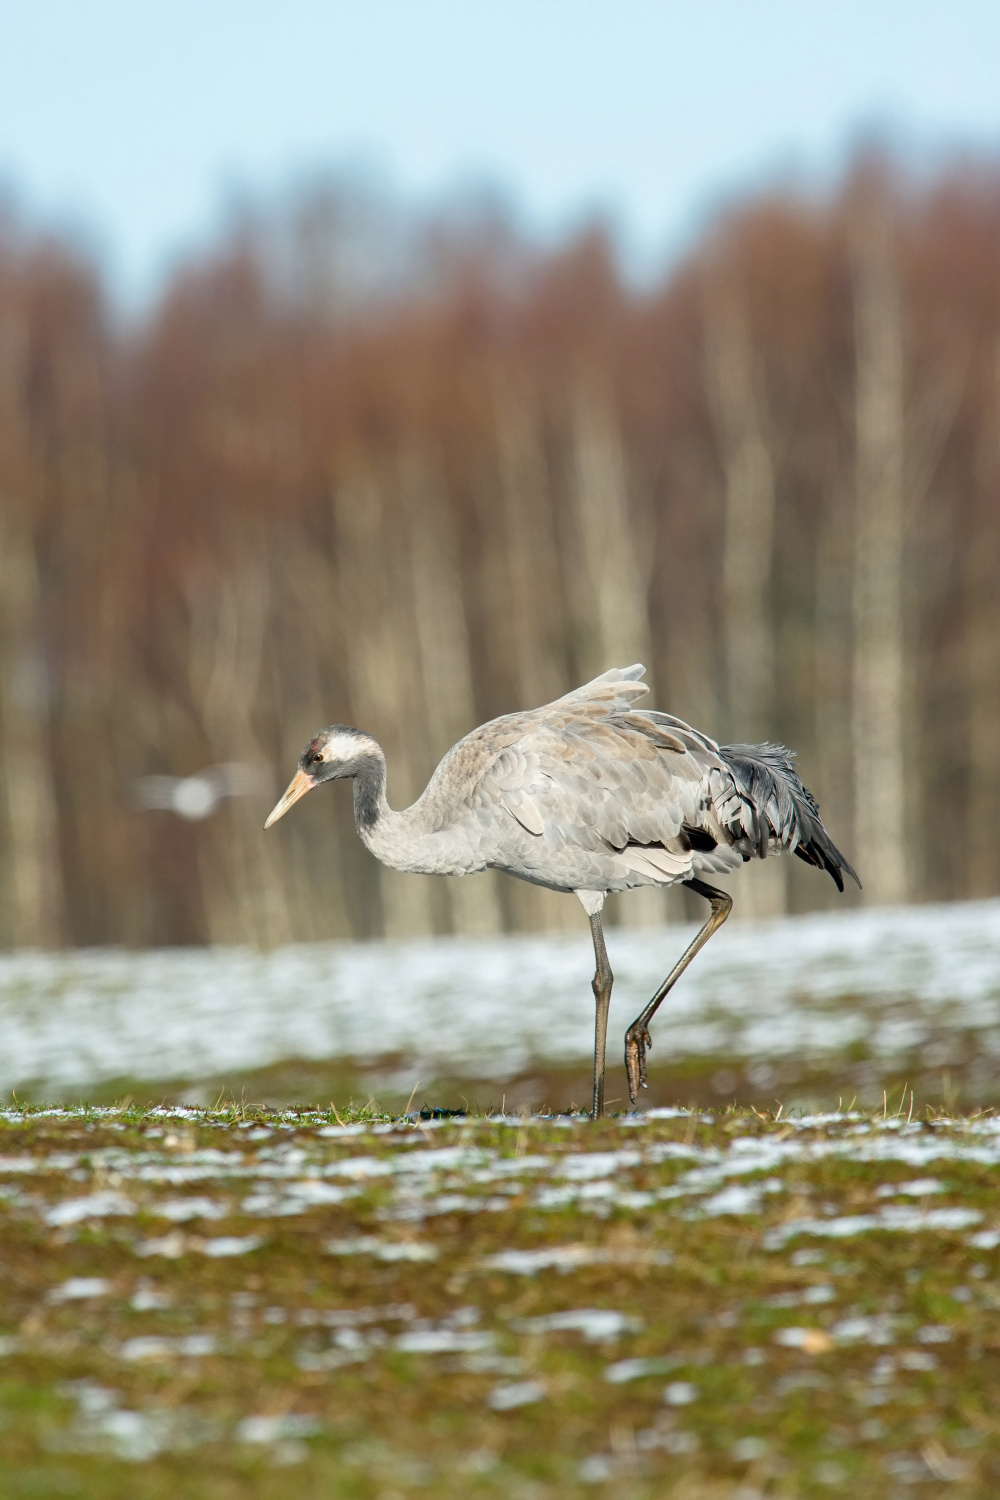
(610, 593)
(832, 662)
(243, 880)
(982, 667)
(879, 641)
(534, 614)
(32, 854)
(446, 664)
(33, 860)
(315, 635)
(383, 673)
(737, 405)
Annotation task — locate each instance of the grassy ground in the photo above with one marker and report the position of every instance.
(966, 1083)
(217, 1303)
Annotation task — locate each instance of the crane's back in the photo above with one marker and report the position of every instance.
(592, 791)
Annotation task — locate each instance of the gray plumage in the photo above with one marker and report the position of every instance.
(592, 795)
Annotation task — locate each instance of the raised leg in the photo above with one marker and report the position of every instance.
(603, 980)
(637, 1038)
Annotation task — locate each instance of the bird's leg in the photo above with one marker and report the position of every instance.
(603, 980)
(637, 1038)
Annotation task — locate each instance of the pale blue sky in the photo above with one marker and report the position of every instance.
(136, 117)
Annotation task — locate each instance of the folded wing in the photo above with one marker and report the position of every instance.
(594, 773)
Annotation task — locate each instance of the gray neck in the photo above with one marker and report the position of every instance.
(370, 805)
(416, 840)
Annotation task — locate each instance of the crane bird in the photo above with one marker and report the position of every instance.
(589, 795)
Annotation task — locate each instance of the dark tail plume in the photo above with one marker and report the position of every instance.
(779, 806)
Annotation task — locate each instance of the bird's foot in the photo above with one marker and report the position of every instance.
(637, 1039)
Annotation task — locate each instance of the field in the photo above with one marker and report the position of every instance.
(803, 1012)
(216, 1303)
(278, 1265)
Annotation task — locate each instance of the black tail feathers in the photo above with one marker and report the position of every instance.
(779, 806)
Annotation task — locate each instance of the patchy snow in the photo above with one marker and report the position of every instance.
(916, 1359)
(680, 1393)
(879, 1328)
(905, 1220)
(767, 990)
(520, 1393)
(388, 1250)
(552, 1257)
(921, 1188)
(171, 1246)
(148, 1298)
(195, 1345)
(230, 1244)
(597, 1324)
(741, 1176)
(268, 1429)
(94, 1206)
(179, 1210)
(102, 1425)
(443, 1341)
(624, 1370)
(808, 1186)
(76, 1288)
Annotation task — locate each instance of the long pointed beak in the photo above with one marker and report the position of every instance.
(297, 787)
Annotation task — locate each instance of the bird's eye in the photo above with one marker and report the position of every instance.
(317, 758)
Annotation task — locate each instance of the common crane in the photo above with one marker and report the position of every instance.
(589, 795)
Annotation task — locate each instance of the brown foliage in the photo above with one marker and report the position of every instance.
(270, 507)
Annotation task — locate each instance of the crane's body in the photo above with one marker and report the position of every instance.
(589, 795)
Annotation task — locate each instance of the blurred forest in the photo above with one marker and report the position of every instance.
(413, 473)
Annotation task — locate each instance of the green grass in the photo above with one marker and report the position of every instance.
(310, 1378)
(967, 1083)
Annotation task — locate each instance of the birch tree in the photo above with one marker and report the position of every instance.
(879, 637)
(317, 635)
(832, 661)
(383, 671)
(445, 662)
(536, 614)
(536, 603)
(32, 855)
(244, 889)
(736, 402)
(981, 660)
(32, 858)
(609, 592)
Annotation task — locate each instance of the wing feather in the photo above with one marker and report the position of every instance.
(657, 861)
(524, 810)
(597, 783)
(591, 772)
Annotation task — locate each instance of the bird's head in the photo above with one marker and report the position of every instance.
(335, 753)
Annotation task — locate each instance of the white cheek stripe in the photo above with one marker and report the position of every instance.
(343, 747)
